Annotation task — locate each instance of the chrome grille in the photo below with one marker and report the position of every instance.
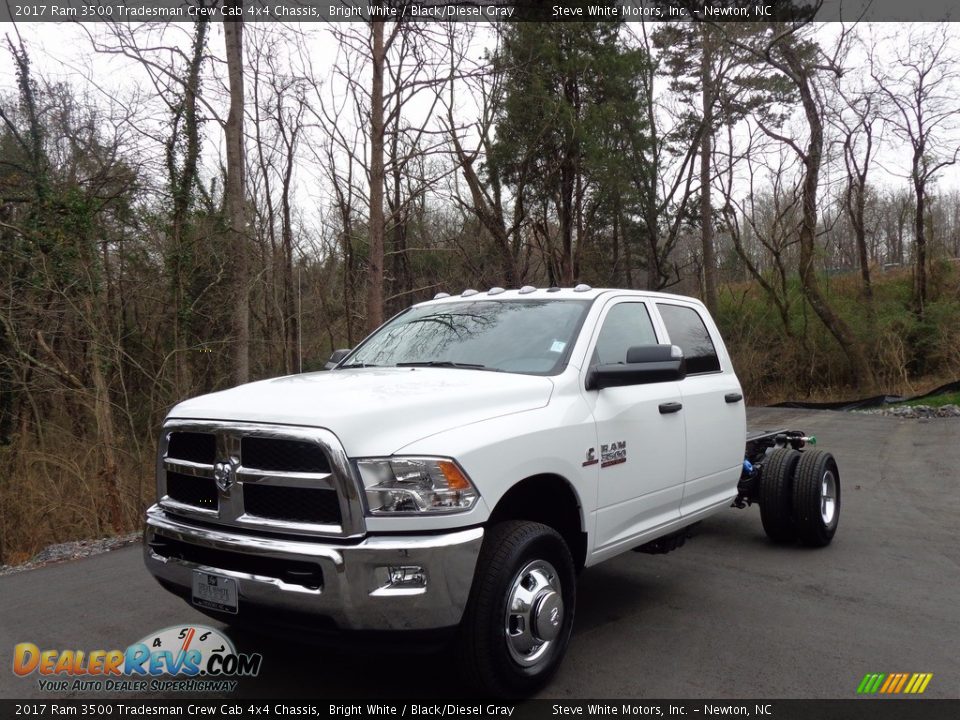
(262, 477)
(200, 492)
(192, 446)
(308, 505)
(286, 455)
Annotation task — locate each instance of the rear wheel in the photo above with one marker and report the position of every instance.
(518, 620)
(816, 498)
(776, 495)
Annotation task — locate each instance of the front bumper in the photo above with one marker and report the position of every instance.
(355, 593)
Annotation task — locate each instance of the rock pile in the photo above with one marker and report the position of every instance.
(72, 551)
(916, 412)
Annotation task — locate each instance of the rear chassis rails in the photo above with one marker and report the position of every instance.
(797, 488)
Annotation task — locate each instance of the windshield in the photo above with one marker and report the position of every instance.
(521, 336)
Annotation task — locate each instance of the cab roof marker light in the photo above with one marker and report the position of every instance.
(495, 291)
(527, 289)
(582, 287)
(468, 292)
(553, 289)
(441, 296)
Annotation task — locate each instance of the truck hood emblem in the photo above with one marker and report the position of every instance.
(225, 475)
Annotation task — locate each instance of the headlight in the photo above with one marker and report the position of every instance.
(416, 485)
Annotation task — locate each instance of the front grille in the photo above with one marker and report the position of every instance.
(254, 477)
(196, 491)
(292, 504)
(193, 446)
(263, 453)
(295, 572)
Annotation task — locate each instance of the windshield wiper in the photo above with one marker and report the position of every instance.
(446, 364)
(355, 365)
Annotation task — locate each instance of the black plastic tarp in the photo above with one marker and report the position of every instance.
(870, 402)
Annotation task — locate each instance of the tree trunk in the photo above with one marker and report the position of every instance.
(235, 192)
(375, 259)
(183, 182)
(566, 222)
(706, 150)
(106, 435)
(837, 326)
(860, 235)
(290, 316)
(920, 262)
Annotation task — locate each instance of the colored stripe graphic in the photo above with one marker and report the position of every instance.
(894, 683)
(903, 680)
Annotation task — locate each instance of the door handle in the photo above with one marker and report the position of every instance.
(733, 397)
(670, 407)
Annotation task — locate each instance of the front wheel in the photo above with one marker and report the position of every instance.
(519, 616)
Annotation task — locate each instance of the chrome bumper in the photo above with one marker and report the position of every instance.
(356, 593)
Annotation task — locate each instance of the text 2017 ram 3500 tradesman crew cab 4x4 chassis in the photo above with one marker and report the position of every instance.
(463, 463)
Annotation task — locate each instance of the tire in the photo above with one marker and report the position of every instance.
(511, 654)
(776, 495)
(816, 498)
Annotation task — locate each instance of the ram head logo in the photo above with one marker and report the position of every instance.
(225, 474)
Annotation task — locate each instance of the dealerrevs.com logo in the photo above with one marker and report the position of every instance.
(187, 658)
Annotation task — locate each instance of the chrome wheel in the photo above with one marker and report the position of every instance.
(828, 497)
(534, 615)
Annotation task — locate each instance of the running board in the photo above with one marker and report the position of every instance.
(666, 543)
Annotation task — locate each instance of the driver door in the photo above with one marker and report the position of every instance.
(641, 445)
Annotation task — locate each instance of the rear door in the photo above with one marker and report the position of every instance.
(713, 408)
(640, 449)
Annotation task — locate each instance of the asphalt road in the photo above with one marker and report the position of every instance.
(727, 616)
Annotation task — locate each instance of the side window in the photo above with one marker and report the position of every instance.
(687, 330)
(626, 325)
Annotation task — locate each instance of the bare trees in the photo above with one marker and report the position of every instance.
(378, 51)
(182, 159)
(499, 214)
(786, 51)
(389, 170)
(65, 195)
(385, 80)
(857, 129)
(920, 91)
(235, 194)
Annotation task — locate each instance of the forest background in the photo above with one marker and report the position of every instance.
(188, 206)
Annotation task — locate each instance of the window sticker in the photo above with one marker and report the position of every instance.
(558, 346)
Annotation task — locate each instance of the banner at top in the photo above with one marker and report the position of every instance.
(477, 10)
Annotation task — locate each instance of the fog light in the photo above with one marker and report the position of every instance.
(407, 577)
(394, 580)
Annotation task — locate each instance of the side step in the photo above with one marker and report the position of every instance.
(666, 543)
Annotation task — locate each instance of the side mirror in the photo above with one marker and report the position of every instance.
(336, 357)
(645, 364)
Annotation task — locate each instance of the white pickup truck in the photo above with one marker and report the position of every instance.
(457, 469)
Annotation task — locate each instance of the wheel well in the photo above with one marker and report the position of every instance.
(550, 500)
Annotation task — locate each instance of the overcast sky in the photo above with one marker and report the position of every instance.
(62, 52)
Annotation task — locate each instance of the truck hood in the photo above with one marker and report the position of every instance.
(375, 411)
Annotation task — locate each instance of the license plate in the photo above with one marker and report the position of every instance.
(214, 592)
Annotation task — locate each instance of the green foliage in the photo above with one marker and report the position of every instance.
(935, 400)
(572, 112)
(572, 93)
(807, 363)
